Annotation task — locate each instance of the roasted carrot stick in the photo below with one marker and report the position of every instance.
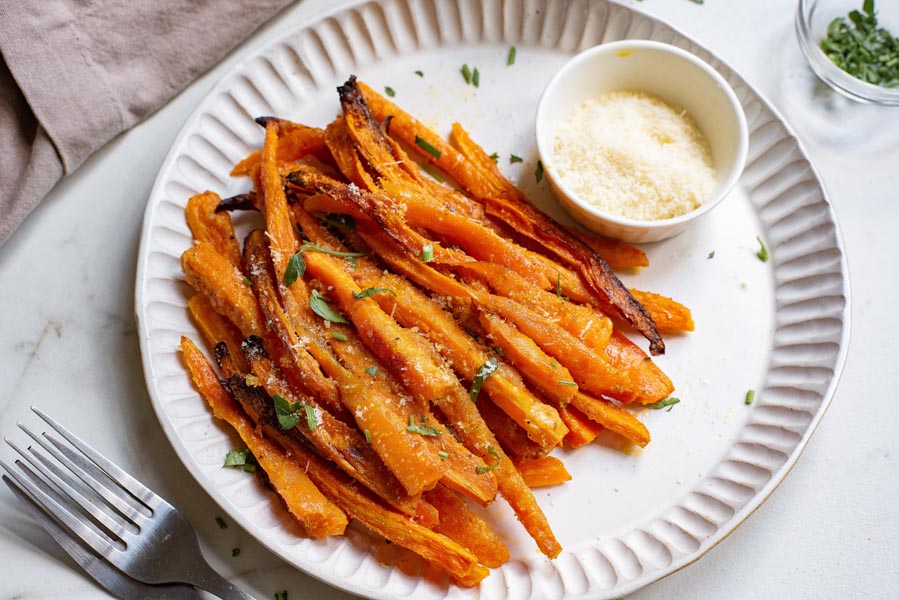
(216, 328)
(213, 275)
(359, 504)
(612, 417)
(671, 316)
(460, 524)
(319, 516)
(296, 142)
(581, 430)
(213, 227)
(542, 472)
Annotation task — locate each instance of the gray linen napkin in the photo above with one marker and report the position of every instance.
(75, 73)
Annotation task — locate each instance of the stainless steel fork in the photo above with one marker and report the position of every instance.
(114, 581)
(125, 522)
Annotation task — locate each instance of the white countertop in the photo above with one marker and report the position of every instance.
(69, 345)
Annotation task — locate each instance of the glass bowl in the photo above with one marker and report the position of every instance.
(812, 19)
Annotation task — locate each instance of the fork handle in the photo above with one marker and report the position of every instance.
(206, 578)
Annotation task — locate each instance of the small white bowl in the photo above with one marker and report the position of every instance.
(664, 71)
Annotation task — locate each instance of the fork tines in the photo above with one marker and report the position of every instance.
(86, 492)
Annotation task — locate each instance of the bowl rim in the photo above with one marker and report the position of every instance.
(735, 170)
(836, 78)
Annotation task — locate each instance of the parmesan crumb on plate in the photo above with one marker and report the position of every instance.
(633, 155)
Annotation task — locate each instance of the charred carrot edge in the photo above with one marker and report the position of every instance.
(213, 275)
(670, 315)
(460, 524)
(213, 227)
(581, 430)
(319, 516)
(334, 439)
(542, 472)
(505, 202)
(215, 328)
(619, 255)
(412, 360)
(358, 503)
(295, 360)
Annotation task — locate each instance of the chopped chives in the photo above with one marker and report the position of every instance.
(424, 145)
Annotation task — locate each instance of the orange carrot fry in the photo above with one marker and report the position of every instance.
(612, 417)
(296, 142)
(459, 523)
(319, 516)
(581, 430)
(671, 316)
(359, 504)
(542, 472)
(619, 255)
(213, 227)
(213, 275)
(216, 328)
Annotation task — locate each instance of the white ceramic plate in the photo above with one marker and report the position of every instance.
(625, 520)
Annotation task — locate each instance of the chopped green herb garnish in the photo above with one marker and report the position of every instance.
(494, 157)
(221, 523)
(420, 73)
(499, 351)
(861, 48)
(289, 414)
(559, 285)
(243, 459)
(763, 250)
(568, 383)
(750, 396)
(466, 73)
(424, 145)
(368, 292)
(553, 363)
(339, 336)
(476, 77)
(667, 402)
(389, 91)
(514, 159)
(443, 455)
(423, 428)
(372, 370)
(433, 173)
(296, 266)
(510, 59)
(711, 255)
(247, 282)
(352, 262)
(345, 221)
(492, 452)
(320, 306)
(235, 551)
(281, 595)
(367, 436)
(483, 372)
(538, 171)
(427, 253)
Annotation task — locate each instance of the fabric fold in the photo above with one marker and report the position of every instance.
(79, 72)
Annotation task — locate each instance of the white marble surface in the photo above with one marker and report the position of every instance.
(68, 345)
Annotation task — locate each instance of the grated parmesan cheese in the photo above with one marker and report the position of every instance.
(634, 155)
